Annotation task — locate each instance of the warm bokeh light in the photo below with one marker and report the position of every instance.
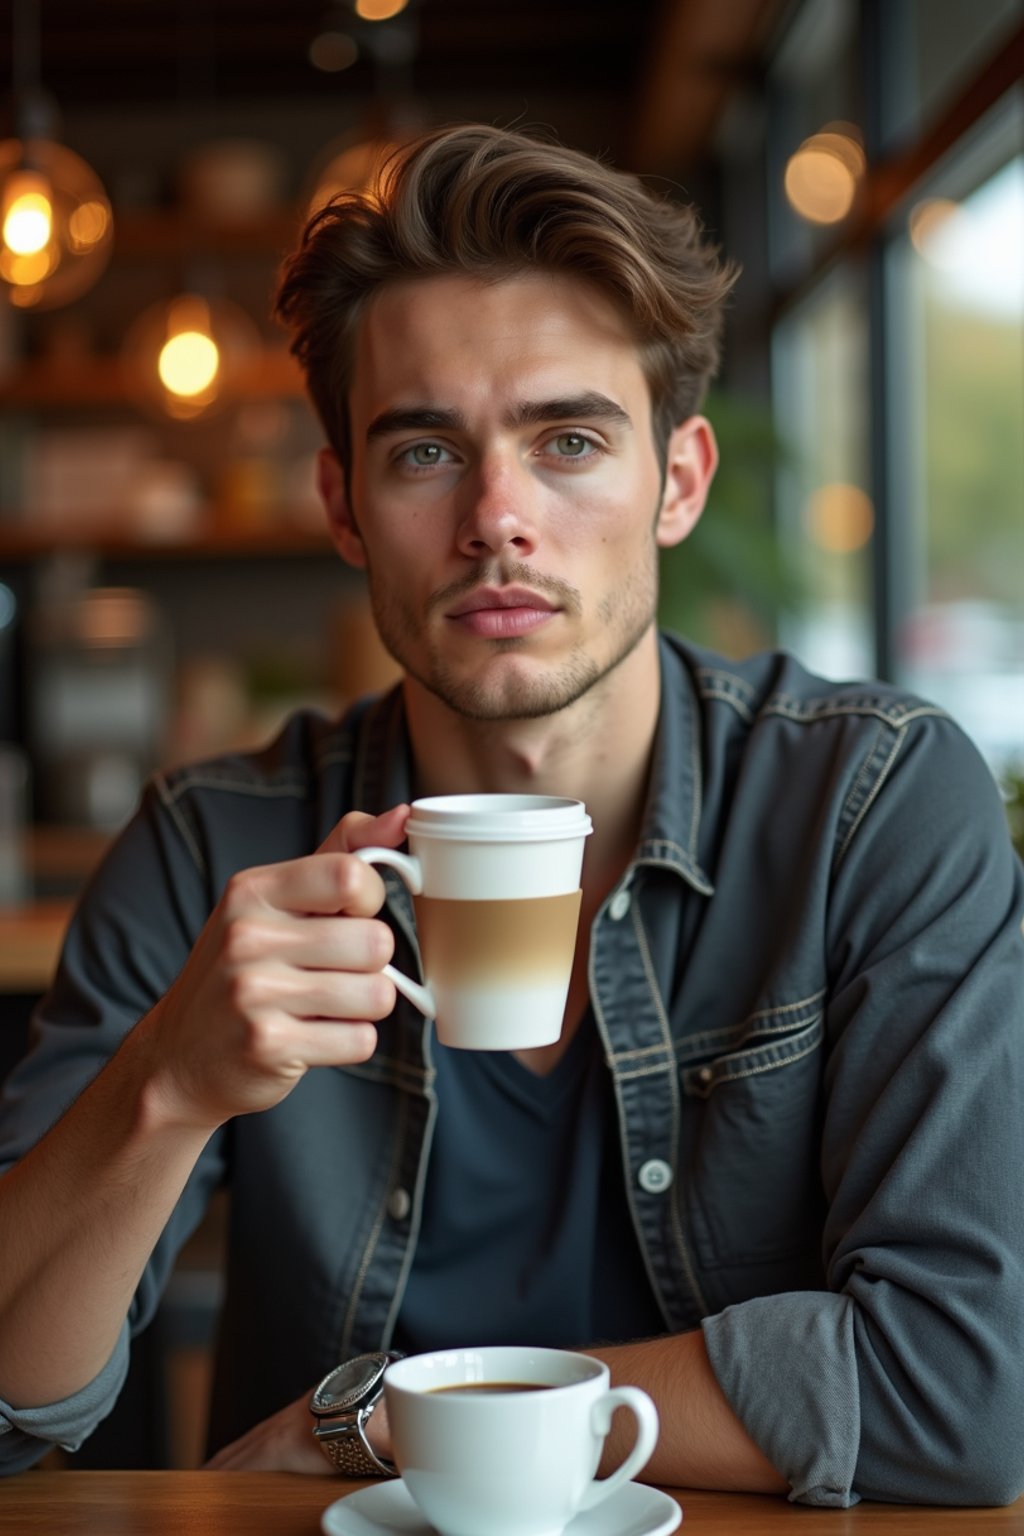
(380, 10)
(333, 51)
(356, 168)
(937, 227)
(188, 363)
(927, 217)
(23, 271)
(839, 518)
(27, 213)
(822, 178)
(56, 227)
(185, 357)
(88, 225)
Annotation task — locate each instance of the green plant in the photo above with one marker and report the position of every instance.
(725, 585)
(1013, 794)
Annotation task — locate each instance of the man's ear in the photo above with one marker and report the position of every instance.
(330, 482)
(690, 464)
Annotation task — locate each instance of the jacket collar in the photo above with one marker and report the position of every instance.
(382, 775)
(672, 815)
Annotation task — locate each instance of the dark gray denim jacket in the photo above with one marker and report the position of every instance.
(809, 986)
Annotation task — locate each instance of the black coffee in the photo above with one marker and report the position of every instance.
(491, 1388)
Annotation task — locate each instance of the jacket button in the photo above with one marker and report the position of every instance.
(654, 1176)
(705, 1076)
(619, 905)
(399, 1204)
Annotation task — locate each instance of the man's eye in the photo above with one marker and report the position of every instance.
(425, 455)
(573, 445)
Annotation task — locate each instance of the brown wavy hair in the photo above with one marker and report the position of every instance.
(490, 203)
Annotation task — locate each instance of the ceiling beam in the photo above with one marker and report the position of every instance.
(702, 50)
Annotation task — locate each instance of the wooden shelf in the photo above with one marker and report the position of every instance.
(104, 381)
(169, 231)
(32, 931)
(117, 542)
(68, 853)
(30, 940)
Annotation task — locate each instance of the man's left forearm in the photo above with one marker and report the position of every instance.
(702, 1443)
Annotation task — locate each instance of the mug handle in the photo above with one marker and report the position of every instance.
(411, 871)
(646, 1416)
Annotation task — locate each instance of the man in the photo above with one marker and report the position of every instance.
(771, 1170)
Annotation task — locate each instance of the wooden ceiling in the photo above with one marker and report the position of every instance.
(643, 80)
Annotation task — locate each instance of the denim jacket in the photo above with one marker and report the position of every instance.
(809, 988)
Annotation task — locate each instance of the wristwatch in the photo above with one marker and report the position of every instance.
(341, 1407)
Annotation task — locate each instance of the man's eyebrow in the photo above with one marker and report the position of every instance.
(589, 406)
(415, 418)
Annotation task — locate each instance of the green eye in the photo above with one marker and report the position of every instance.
(426, 453)
(572, 444)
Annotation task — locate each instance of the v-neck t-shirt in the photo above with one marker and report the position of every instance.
(526, 1235)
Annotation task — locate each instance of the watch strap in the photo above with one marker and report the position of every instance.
(350, 1453)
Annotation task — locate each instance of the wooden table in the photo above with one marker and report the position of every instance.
(284, 1504)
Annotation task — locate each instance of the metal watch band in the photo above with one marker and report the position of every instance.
(350, 1455)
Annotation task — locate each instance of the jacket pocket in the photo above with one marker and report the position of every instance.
(754, 1193)
(772, 1056)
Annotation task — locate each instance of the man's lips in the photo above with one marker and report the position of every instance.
(500, 597)
(502, 612)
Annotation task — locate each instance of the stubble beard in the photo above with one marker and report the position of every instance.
(532, 691)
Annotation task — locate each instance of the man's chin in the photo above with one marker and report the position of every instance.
(516, 696)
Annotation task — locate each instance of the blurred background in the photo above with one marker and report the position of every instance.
(166, 586)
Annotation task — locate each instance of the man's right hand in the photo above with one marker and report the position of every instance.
(286, 975)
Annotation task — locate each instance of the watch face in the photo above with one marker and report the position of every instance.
(350, 1384)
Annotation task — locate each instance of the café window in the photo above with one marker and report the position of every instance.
(930, 49)
(897, 246)
(824, 514)
(813, 84)
(955, 274)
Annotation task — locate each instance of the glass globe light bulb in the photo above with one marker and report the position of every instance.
(56, 226)
(27, 213)
(188, 363)
(185, 355)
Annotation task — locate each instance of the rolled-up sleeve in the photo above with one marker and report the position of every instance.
(120, 955)
(26, 1434)
(905, 1381)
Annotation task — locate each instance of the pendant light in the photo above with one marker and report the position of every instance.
(186, 355)
(56, 227)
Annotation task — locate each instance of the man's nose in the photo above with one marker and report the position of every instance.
(499, 514)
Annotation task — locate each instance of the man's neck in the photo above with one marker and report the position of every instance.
(598, 750)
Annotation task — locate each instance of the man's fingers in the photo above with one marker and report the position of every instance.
(333, 994)
(322, 1043)
(280, 1045)
(310, 943)
(332, 883)
(358, 830)
(282, 1443)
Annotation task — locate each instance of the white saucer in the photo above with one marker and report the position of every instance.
(387, 1508)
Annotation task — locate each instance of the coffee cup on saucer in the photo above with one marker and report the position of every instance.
(506, 1439)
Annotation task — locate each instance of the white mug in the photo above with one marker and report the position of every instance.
(514, 1462)
(496, 888)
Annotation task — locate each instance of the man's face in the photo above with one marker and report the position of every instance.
(504, 489)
